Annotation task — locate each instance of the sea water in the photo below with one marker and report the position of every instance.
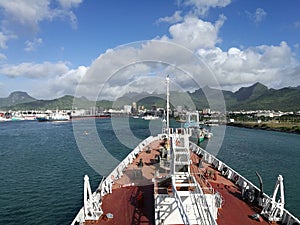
(43, 164)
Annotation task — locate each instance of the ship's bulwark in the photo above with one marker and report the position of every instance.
(132, 197)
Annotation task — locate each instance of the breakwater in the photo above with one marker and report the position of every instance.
(281, 127)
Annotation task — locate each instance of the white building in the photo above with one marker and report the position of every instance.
(127, 108)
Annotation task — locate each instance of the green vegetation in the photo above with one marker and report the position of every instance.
(17, 97)
(270, 125)
(65, 102)
(255, 97)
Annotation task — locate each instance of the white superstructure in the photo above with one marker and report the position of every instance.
(186, 203)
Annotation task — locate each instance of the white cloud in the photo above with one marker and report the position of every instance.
(2, 57)
(143, 67)
(20, 15)
(175, 18)
(195, 33)
(25, 13)
(273, 66)
(201, 7)
(34, 71)
(70, 3)
(60, 84)
(3, 40)
(258, 16)
(32, 45)
(193, 8)
(276, 56)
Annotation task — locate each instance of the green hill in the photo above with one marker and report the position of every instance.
(254, 97)
(15, 98)
(250, 93)
(65, 102)
(285, 99)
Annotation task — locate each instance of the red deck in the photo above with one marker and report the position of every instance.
(234, 210)
(134, 204)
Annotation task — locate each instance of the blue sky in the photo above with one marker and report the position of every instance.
(49, 47)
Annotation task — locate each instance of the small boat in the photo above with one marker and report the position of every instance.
(57, 116)
(192, 123)
(17, 118)
(200, 137)
(207, 133)
(4, 119)
(150, 117)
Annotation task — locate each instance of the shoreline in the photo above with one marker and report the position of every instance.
(270, 126)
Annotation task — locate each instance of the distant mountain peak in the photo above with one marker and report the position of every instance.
(251, 92)
(19, 94)
(253, 97)
(16, 97)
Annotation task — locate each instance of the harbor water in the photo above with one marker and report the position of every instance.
(42, 165)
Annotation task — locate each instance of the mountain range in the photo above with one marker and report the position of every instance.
(254, 97)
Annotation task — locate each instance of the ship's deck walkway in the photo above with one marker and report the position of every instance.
(234, 210)
(132, 201)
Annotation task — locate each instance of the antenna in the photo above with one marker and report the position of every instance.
(168, 104)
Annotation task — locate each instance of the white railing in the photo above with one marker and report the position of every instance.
(206, 214)
(118, 171)
(203, 210)
(105, 186)
(180, 206)
(240, 181)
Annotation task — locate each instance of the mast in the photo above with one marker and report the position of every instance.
(168, 104)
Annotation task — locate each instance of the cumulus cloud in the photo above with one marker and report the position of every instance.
(196, 33)
(131, 68)
(32, 45)
(24, 16)
(60, 84)
(271, 65)
(142, 67)
(34, 71)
